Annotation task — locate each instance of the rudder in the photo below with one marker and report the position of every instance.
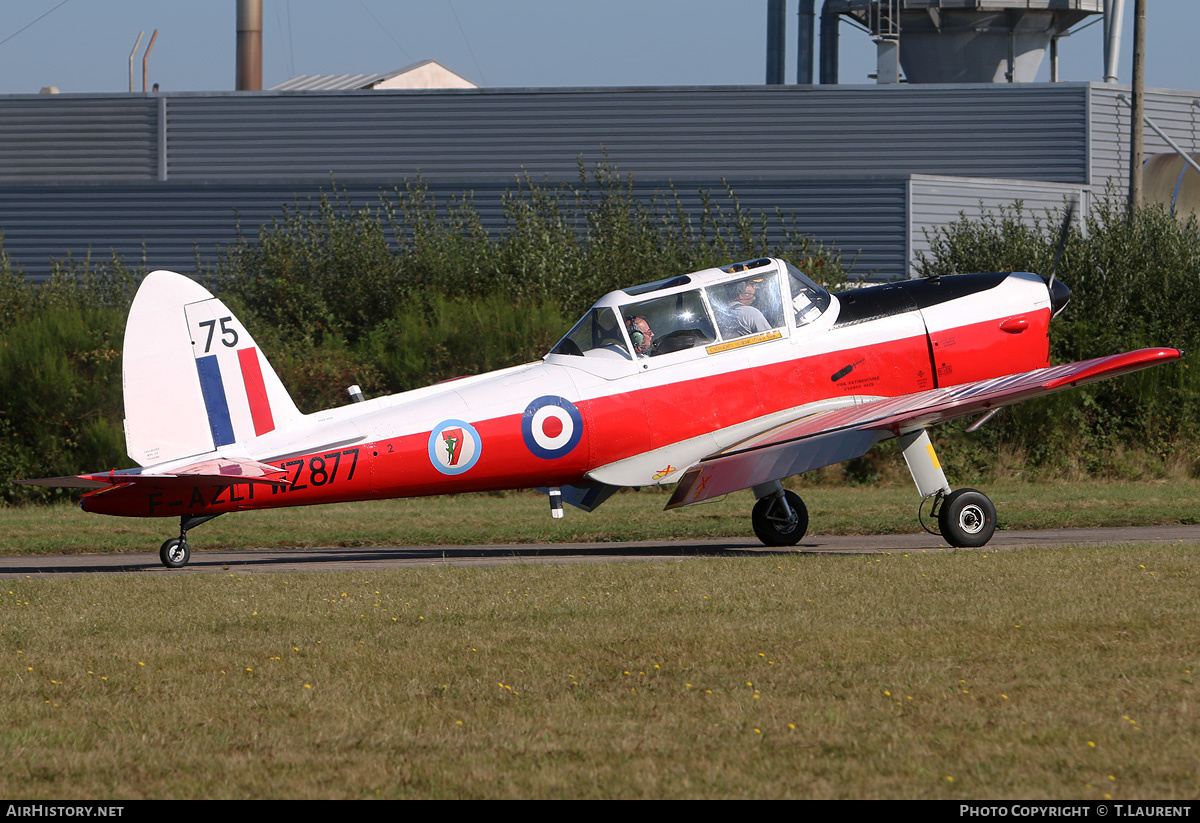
(194, 379)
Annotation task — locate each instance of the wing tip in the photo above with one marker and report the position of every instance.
(1118, 364)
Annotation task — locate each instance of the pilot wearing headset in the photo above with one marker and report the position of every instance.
(640, 334)
(741, 316)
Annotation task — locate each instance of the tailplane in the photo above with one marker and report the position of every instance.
(195, 381)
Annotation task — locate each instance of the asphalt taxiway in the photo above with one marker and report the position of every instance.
(256, 561)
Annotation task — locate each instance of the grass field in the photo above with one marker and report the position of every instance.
(1037, 674)
(1066, 673)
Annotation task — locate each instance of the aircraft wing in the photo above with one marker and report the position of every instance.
(826, 438)
(224, 471)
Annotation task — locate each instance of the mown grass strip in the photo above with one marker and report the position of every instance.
(1034, 674)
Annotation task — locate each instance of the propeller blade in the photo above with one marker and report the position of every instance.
(1063, 233)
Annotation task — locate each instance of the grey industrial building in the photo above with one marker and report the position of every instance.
(162, 179)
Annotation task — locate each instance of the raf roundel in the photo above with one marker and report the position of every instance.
(454, 446)
(551, 426)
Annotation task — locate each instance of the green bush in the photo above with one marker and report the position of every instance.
(61, 408)
(444, 338)
(331, 266)
(1134, 284)
(411, 291)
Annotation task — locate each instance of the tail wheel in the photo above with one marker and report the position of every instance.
(967, 518)
(175, 553)
(775, 525)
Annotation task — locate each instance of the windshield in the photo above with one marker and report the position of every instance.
(809, 301)
(597, 334)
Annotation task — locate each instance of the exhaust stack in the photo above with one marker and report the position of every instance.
(249, 45)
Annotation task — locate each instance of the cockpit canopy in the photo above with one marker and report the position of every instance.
(711, 306)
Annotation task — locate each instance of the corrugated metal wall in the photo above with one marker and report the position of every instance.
(935, 202)
(165, 175)
(1175, 112)
(73, 139)
(778, 132)
(177, 226)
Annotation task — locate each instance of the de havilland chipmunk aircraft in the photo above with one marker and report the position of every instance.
(725, 379)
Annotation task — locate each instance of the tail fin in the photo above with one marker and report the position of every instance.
(195, 380)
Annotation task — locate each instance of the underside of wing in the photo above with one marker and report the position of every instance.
(831, 437)
(223, 471)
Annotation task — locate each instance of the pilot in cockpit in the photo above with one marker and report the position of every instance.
(741, 316)
(640, 334)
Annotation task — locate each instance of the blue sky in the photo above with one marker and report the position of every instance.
(84, 45)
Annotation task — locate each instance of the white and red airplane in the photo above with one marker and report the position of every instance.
(720, 380)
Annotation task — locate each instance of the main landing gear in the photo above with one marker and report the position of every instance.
(966, 518)
(175, 553)
(780, 517)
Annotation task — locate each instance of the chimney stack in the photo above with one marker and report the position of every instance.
(249, 45)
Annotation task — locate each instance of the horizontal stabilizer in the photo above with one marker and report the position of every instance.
(222, 471)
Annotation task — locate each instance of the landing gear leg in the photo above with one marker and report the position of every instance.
(966, 517)
(175, 553)
(780, 517)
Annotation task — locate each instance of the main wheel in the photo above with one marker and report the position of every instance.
(967, 518)
(774, 526)
(175, 553)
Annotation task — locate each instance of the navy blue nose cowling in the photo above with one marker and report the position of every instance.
(1059, 295)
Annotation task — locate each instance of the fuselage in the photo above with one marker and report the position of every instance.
(599, 410)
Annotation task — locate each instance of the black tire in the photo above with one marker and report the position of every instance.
(175, 553)
(967, 519)
(772, 528)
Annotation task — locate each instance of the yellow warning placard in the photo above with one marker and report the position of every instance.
(762, 337)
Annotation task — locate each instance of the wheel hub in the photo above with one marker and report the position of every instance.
(972, 519)
(784, 523)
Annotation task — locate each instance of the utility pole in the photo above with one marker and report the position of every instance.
(1139, 107)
